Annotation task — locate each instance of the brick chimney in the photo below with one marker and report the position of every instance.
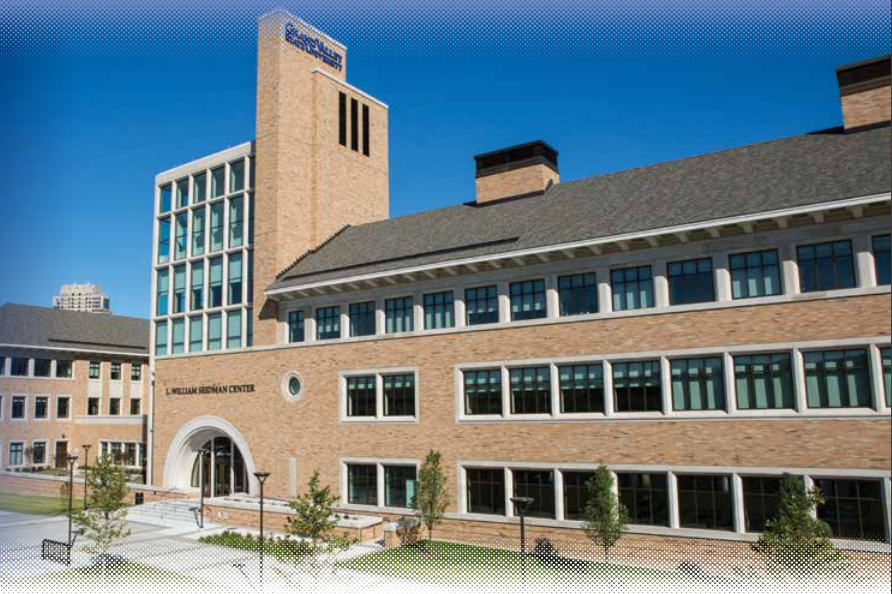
(517, 171)
(864, 91)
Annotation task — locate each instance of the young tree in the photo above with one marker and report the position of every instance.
(313, 517)
(431, 496)
(795, 541)
(104, 524)
(604, 516)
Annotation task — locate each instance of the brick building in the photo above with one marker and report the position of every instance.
(68, 380)
(699, 326)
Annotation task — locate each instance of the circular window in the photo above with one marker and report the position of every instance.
(292, 386)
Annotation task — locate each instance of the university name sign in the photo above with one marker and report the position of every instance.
(313, 46)
(211, 389)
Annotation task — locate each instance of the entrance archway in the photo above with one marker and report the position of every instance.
(228, 467)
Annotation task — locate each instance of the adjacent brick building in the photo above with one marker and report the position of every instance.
(72, 381)
(699, 326)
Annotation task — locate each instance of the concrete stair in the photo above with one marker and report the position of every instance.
(174, 513)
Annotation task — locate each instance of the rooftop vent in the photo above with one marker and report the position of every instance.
(864, 91)
(517, 171)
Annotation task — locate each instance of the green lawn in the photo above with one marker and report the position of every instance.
(33, 504)
(452, 562)
(119, 575)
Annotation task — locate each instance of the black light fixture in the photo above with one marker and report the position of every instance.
(203, 453)
(72, 460)
(261, 478)
(520, 507)
(86, 447)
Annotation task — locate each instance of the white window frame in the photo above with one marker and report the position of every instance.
(49, 408)
(56, 407)
(379, 395)
(46, 453)
(379, 463)
(24, 408)
(9, 453)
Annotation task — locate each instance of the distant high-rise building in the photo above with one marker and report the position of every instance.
(86, 297)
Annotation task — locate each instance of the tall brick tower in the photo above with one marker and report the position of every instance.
(321, 152)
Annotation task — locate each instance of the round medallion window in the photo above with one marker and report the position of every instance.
(292, 386)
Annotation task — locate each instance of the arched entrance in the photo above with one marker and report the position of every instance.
(226, 468)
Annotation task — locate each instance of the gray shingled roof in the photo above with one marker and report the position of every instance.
(28, 325)
(791, 172)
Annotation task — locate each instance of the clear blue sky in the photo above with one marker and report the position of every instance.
(96, 102)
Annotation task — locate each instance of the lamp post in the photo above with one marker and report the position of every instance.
(203, 454)
(520, 507)
(86, 447)
(72, 460)
(261, 478)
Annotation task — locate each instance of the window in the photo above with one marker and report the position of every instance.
(136, 371)
(218, 178)
(361, 397)
(826, 266)
(236, 222)
(886, 356)
(354, 124)
(63, 407)
(115, 371)
(114, 407)
(342, 119)
(182, 237)
(196, 332)
(237, 175)
(483, 392)
(16, 453)
(38, 453)
(439, 310)
(399, 486)
(530, 390)
(183, 192)
(42, 367)
(366, 136)
(632, 288)
(216, 227)
(538, 484)
(853, 508)
(93, 407)
(41, 407)
(582, 388)
(135, 407)
(882, 260)
(215, 284)
(362, 484)
(645, 496)
(64, 368)
(578, 294)
(528, 300)
(234, 329)
(95, 368)
(399, 395)
(198, 223)
(575, 493)
(760, 498)
(200, 187)
(163, 288)
(704, 501)
(698, 384)
(764, 381)
(756, 274)
(197, 286)
(837, 379)
(179, 289)
(328, 322)
(296, 326)
(19, 366)
(691, 281)
(486, 491)
(399, 315)
(362, 319)
(637, 387)
(163, 241)
(178, 337)
(235, 279)
(482, 305)
(165, 198)
(215, 332)
(2, 365)
(160, 338)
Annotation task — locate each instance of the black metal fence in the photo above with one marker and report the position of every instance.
(53, 550)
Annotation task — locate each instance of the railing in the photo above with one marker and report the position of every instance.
(53, 550)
